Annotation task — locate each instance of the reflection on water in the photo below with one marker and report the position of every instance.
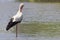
(41, 12)
(10, 36)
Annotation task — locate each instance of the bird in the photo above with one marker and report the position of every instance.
(16, 18)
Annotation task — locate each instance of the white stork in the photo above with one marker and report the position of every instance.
(16, 18)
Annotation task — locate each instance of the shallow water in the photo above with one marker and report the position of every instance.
(42, 12)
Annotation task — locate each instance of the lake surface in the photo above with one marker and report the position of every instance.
(41, 12)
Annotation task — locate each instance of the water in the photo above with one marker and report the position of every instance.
(41, 12)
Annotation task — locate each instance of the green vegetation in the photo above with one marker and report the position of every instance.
(39, 0)
(46, 29)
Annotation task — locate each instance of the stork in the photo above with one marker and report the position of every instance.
(16, 19)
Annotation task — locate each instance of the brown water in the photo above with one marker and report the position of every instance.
(42, 12)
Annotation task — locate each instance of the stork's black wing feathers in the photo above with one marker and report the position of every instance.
(11, 23)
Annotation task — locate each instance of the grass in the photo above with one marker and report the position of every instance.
(40, 28)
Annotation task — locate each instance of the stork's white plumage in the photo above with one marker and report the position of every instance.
(16, 18)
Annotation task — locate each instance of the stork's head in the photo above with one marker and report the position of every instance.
(21, 7)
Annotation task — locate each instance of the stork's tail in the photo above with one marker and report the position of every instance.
(11, 24)
(8, 27)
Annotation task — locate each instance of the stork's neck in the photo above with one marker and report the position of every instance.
(20, 10)
(21, 7)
